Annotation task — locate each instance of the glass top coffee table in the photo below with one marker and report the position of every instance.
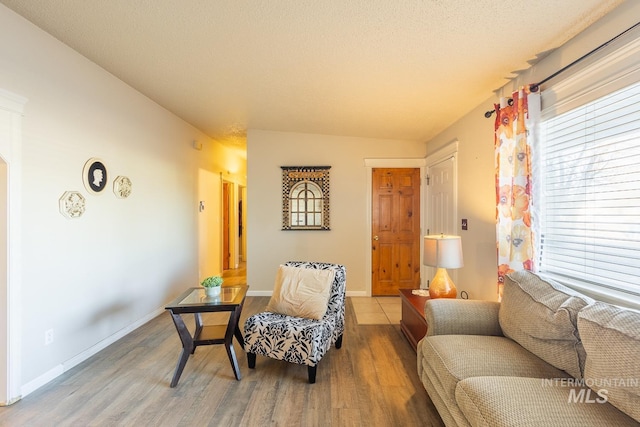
(194, 300)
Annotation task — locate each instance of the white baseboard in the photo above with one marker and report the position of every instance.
(11, 402)
(251, 293)
(43, 379)
(358, 294)
(58, 370)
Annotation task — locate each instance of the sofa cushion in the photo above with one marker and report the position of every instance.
(611, 337)
(451, 358)
(541, 315)
(450, 413)
(512, 401)
(447, 316)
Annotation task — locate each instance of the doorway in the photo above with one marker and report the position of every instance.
(11, 112)
(369, 165)
(395, 230)
(441, 206)
(242, 220)
(226, 226)
(4, 278)
(220, 216)
(233, 214)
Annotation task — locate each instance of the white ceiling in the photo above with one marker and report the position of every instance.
(399, 69)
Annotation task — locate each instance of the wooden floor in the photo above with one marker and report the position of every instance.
(370, 381)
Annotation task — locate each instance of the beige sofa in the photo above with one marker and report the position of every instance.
(545, 356)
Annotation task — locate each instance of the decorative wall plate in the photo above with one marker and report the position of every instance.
(72, 204)
(122, 187)
(94, 175)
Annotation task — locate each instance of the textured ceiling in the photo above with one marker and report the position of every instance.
(370, 68)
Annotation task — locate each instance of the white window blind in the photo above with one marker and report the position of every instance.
(588, 195)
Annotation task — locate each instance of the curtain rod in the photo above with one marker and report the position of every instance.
(536, 86)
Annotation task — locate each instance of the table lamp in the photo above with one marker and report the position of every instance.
(442, 251)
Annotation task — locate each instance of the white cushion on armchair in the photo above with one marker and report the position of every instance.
(301, 292)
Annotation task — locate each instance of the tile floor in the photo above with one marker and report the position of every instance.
(377, 310)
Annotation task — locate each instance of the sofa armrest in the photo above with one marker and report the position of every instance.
(462, 317)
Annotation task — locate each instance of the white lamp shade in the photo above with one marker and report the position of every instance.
(443, 251)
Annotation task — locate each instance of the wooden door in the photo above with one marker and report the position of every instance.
(395, 256)
(226, 251)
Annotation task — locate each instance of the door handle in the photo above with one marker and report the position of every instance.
(376, 238)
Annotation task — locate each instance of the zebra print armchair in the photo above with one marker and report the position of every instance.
(296, 339)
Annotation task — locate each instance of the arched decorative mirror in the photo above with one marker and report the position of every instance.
(305, 197)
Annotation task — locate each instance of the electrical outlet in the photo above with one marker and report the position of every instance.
(48, 336)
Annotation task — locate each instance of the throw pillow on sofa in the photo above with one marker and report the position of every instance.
(542, 316)
(611, 337)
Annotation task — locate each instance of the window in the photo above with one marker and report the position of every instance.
(588, 196)
(306, 205)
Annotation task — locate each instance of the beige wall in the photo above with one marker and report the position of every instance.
(348, 240)
(476, 196)
(93, 279)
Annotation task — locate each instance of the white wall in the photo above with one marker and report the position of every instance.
(347, 241)
(89, 279)
(476, 185)
(209, 224)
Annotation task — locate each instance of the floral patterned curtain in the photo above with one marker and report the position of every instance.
(513, 138)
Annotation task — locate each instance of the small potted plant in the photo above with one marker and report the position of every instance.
(212, 285)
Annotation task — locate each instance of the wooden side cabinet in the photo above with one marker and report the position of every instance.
(413, 324)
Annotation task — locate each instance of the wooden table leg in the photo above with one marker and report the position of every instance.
(234, 362)
(239, 337)
(238, 332)
(187, 347)
(232, 329)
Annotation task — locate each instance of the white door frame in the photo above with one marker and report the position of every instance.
(10, 285)
(386, 163)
